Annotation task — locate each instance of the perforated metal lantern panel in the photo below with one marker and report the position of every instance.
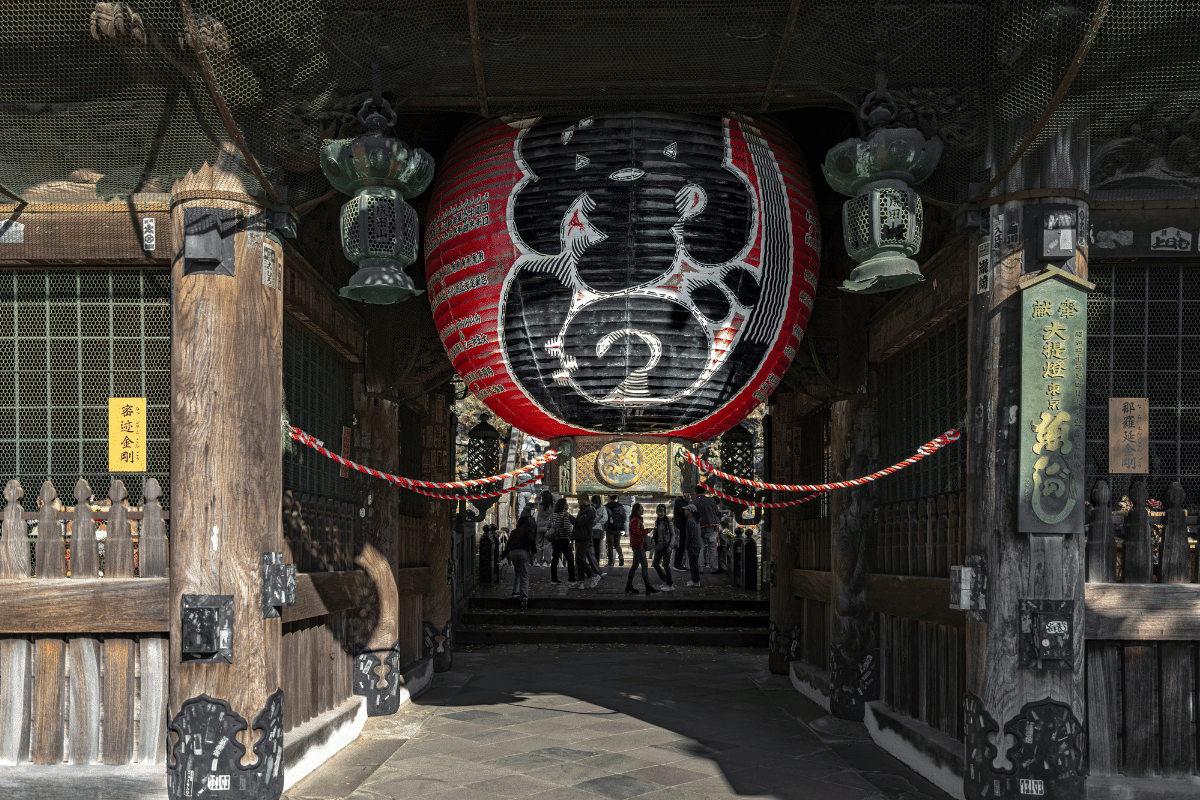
(69, 340)
(376, 223)
(1144, 341)
(624, 273)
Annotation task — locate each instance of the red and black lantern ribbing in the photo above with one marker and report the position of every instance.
(622, 274)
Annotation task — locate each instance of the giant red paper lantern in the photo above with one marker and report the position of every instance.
(622, 274)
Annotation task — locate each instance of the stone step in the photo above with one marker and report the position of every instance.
(681, 599)
(562, 618)
(694, 636)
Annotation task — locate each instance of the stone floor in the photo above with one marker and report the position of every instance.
(579, 722)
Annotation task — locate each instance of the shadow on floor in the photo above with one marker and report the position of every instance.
(577, 723)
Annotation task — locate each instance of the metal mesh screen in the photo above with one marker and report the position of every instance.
(69, 340)
(317, 395)
(104, 98)
(923, 393)
(1144, 341)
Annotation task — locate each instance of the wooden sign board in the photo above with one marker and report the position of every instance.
(1053, 381)
(126, 434)
(1128, 435)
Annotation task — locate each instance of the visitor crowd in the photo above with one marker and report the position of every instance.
(683, 537)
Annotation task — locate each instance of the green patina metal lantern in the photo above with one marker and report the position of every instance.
(737, 458)
(882, 220)
(379, 230)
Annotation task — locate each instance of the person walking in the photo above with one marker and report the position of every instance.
(709, 517)
(637, 542)
(692, 542)
(559, 536)
(598, 526)
(544, 513)
(614, 528)
(664, 536)
(519, 551)
(581, 539)
(680, 525)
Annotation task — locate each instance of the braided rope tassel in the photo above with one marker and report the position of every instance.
(930, 447)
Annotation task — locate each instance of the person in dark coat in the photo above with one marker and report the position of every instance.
(680, 522)
(559, 534)
(522, 543)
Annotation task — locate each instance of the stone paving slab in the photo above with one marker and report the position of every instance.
(592, 722)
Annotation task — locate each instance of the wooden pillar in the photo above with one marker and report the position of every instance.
(226, 496)
(1023, 726)
(437, 607)
(787, 610)
(854, 649)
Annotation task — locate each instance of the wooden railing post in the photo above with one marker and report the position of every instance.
(83, 652)
(153, 557)
(1178, 721)
(118, 692)
(49, 651)
(1140, 662)
(226, 462)
(15, 651)
(1103, 658)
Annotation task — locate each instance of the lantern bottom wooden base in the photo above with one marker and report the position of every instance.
(646, 466)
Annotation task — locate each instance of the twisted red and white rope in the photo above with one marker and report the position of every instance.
(481, 496)
(413, 483)
(932, 446)
(753, 504)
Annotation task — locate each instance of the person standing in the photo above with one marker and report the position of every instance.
(581, 539)
(614, 528)
(519, 551)
(544, 513)
(598, 525)
(637, 542)
(692, 542)
(680, 525)
(559, 535)
(709, 518)
(664, 536)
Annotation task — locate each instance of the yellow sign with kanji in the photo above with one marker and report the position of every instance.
(126, 434)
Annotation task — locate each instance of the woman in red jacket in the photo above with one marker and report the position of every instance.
(637, 540)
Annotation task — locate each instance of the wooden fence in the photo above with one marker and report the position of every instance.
(83, 659)
(317, 663)
(1142, 628)
(922, 641)
(810, 543)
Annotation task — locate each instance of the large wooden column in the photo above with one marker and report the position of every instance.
(226, 462)
(854, 645)
(1023, 726)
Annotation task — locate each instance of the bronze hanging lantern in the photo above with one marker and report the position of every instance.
(483, 458)
(379, 230)
(883, 218)
(737, 458)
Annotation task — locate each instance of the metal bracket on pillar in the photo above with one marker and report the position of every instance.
(279, 584)
(206, 629)
(208, 240)
(1047, 634)
(968, 585)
